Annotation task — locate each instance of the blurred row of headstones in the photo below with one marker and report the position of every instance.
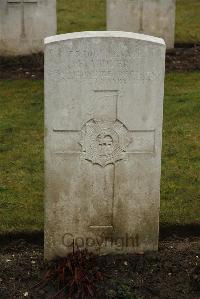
(25, 23)
(152, 17)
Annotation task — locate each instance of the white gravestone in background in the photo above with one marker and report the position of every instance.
(24, 24)
(153, 17)
(103, 133)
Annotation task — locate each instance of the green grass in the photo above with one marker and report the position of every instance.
(180, 188)
(21, 153)
(187, 21)
(83, 15)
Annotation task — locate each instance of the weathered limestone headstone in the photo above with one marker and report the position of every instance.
(24, 24)
(153, 17)
(103, 127)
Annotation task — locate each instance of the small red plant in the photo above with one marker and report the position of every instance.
(73, 276)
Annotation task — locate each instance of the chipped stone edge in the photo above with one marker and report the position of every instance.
(88, 34)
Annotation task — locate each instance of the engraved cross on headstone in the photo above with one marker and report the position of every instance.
(22, 3)
(106, 140)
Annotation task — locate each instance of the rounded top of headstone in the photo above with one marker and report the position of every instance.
(117, 34)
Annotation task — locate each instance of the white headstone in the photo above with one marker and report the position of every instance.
(153, 17)
(24, 24)
(103, 134)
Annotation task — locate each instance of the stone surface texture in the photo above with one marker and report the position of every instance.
(24, 24)
(153, 17)
(103, 136)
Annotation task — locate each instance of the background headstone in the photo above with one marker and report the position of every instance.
(24, 24)
(103, 124)
(153, 17)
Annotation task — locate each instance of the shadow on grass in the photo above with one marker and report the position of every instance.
(167, 231)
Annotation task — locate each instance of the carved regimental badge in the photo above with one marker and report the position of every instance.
(104, 142)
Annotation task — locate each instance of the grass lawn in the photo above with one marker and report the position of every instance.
(180, 191)
(187, 21)
(21, 153)
(79, 15)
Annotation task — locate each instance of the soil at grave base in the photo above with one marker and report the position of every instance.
(172, 272)
(183, 58)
